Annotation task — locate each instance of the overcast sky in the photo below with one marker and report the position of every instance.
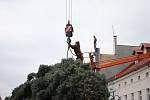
(32, 32)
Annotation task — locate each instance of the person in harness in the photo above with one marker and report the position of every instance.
(92, 63)
(77, 50)
(69, 30)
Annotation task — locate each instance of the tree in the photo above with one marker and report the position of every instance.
(43, 69)
(68, 80)
(0, 98)
(31, 76)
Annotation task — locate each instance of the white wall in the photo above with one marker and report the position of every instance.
(132, 87)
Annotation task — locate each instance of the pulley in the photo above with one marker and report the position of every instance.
(69, 30)
(69, 27)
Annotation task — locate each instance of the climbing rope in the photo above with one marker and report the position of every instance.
(71, 11)
(68, 11)
(68, 42)
(68, 19)
(68, 51)
(72, 53)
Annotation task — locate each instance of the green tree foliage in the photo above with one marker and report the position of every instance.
(68, 80)
(31, 76)
(43, 69)
(7, 98)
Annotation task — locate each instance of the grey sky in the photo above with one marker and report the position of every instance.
(32, 32)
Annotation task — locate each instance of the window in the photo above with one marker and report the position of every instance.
(125, 83)
(125, 97)
(132, 96)
(131, 80)
(119, 98)
(119, 85)
(140, 95)
(135, 62)
(147, 74)
(148, 93)
(139, 77)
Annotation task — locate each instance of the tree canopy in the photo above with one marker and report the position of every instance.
(68, 80)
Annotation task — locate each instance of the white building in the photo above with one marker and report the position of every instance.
(133, 86)
(133, 82)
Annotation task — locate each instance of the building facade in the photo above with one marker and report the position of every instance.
(133, 82)
(133, 86)
(128, 81)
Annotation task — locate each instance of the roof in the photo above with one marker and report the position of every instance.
(106, 57)
(131, 68)
(124, 50)
(120, 51)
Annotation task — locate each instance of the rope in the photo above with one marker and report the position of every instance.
(66, 12)
(71, 11)
(68, 51)
(68, 42)
(72, 53)
(69, 17)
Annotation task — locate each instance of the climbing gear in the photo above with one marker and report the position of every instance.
(68, 41)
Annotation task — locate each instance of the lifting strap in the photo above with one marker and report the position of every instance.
(68, 11)
(69, 28)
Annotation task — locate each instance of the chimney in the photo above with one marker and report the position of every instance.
(115, 43)
(115, 40)
(97, 59)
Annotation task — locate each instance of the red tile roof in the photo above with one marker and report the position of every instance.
(104, 58)
(132, 67)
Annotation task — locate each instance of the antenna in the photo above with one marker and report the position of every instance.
(113, 30)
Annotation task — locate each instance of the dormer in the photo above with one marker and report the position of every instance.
(145, 47)
(137, 51)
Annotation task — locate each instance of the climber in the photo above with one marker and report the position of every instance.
(77, 50)
(92, 63)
